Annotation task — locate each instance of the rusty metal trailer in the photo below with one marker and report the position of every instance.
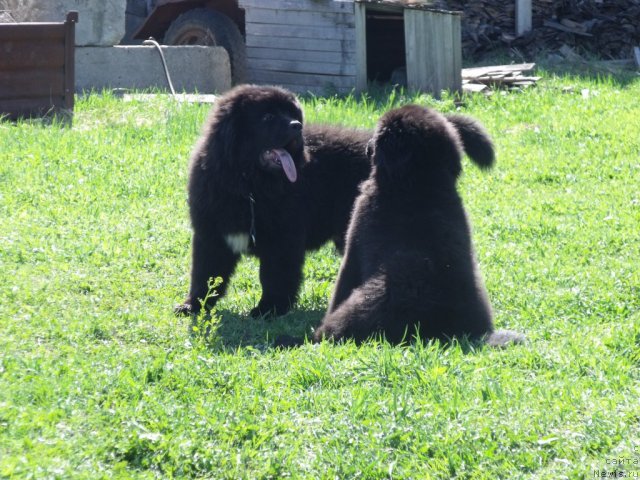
(37, 68)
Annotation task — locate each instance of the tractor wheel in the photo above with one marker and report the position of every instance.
(202, 26)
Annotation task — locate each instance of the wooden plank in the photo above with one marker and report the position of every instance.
(436, 39)
(434, 56)
(31, 83)
(300, 18)
(361, 47)
(451, 82)
(323, 33)
(411, 48)
(302, 55)
(268, 76)
(179, 97)
(300, 5)
(506, 80)
(22, 54)
(562, 28)
(295, 66)
(419, 58)
(474, 87)
(480, 71)
(311, 44)
(456, 46)
(400, 5)
(523, 17)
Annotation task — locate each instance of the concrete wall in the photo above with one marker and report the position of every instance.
(192, 68)
(101, 22)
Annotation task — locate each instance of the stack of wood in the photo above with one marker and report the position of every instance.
(484, 79)
(606, 28)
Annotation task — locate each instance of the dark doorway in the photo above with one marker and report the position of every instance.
(386, 50)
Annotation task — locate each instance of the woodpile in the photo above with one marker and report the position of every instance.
(485, 79)
(606, 28)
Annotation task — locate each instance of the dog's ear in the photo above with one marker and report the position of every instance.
(223, 147)
(223, 138)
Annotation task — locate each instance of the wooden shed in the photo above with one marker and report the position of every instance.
(322, 46)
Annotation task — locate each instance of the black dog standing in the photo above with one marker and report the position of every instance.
(256, 186)
(409, 262)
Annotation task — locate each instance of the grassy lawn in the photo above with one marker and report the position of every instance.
(98, 379)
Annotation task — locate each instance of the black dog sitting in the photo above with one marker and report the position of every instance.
(409, 263)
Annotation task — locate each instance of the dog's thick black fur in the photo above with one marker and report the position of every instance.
(256, 188)
(409, 263)
(261, 184)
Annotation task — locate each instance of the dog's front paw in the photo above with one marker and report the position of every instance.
(260, 312)
(186, 308)
(270, 309)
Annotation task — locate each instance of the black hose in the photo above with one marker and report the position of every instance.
(151, 41)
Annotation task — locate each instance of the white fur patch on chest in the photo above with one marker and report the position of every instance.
(237, 242)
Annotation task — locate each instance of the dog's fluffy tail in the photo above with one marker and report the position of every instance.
(476, 141)
(504, 338)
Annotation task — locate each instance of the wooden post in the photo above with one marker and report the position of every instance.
(523, 17)
(361, 46)
(69, 59)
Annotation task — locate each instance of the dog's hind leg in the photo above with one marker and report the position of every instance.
(360, 315)
(349, 277)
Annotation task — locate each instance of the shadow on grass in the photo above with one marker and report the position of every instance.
(233, 330)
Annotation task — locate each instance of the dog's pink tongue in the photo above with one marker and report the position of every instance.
(287, 164)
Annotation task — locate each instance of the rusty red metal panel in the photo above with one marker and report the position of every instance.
(26, 54)
(37, 68)
(31, 82)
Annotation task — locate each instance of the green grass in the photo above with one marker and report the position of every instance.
(98, 379)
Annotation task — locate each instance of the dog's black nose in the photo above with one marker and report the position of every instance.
(295, 125)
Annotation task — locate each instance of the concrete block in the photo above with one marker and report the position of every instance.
(100, 22)
(192, 68)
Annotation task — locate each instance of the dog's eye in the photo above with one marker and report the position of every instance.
(268, 117)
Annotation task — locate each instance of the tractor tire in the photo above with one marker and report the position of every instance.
(202, 26)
